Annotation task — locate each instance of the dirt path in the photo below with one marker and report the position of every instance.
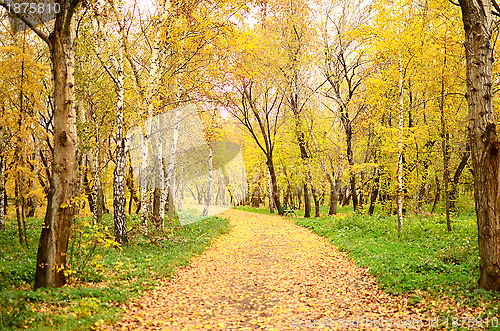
(268, 273)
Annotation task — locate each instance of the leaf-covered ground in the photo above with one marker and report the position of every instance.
(268, 273)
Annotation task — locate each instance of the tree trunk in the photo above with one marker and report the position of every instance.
(210, 179)
(350, 157)
(375, 191)
(400, 148)
(133, 194)
(51, 257)
(18, 211)
(270, 192)
(437, 195)
(456, 179)
(180, 195)
(144, 181)
(445, 144)
(426, 163)
(485, 145)
(2, 189)
(274, 185)
(316, 201)
(119, 201)
(334, 195)
(169, 180)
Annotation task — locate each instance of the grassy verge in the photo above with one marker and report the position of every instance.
(103, 277)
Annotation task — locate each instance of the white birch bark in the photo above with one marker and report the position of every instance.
(143, 183)
(161, 172)
(180, 188)
(152, 89)
(119, 173)
(171, 162)
(36, 164)
(400, 148)
(97, 180)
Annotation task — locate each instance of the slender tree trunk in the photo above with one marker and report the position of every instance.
(456, 179)
(485, 145)
(18, 212)
(180, 195)
(437, 195)
(170, 178)
(426, 163)
(133, 193)
(98, 193)
(2, 190)
(375, 191)
(36, 161)
(51, 257)
(270, 192)
(445, 144)
(352, 176)
(144, 182)
(161, 169)
(210, 179)
(119, 201)
(307, 200)
(400, 148)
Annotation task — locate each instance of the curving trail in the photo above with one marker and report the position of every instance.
(268, 273)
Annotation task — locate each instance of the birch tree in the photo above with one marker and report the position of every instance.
(117, 75)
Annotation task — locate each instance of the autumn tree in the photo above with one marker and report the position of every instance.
(345, 68)
(485, 145)
(51, 258)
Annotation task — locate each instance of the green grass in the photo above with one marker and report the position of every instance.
(109, 277)
(423, 258)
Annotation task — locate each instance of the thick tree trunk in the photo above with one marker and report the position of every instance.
(334, 196)
(316, 201)
(51, 257)
(485, 145)
(274, 184)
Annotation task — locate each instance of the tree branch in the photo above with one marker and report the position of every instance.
(30, 24)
